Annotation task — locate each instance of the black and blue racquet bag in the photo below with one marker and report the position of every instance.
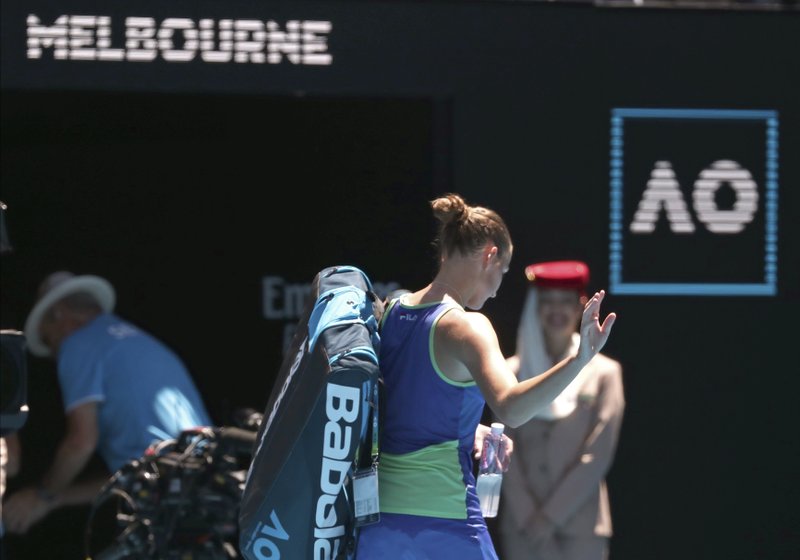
(319, 428)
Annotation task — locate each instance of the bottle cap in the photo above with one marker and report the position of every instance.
(497, 428)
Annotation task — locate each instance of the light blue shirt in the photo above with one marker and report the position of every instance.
(143, 390)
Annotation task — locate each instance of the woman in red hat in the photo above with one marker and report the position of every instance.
(440, 364)
(554, 502)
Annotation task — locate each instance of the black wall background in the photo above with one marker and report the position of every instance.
(165, 178)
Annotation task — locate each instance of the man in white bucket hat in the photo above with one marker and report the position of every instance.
(122, 390)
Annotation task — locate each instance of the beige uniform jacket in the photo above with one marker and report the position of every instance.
(559, 466)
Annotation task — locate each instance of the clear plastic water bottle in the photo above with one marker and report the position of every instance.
(490, 470)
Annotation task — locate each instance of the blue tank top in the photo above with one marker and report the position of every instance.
(429, 420)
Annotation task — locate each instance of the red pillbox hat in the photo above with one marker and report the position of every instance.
(570, 275)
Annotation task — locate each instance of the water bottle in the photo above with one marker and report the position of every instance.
(490, 471)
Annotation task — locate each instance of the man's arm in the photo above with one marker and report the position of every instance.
(29, 505)
(75, 449)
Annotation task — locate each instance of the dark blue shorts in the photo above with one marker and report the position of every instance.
(413, 537)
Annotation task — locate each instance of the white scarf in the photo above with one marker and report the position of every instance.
(534, 360)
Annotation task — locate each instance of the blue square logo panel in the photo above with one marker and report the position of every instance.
(694, 202)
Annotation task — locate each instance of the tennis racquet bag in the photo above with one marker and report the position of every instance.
(317, 428)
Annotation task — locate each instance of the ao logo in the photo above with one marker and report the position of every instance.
(663, 193)
(716, 235)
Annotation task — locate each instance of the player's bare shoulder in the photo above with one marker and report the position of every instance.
(460, 324)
